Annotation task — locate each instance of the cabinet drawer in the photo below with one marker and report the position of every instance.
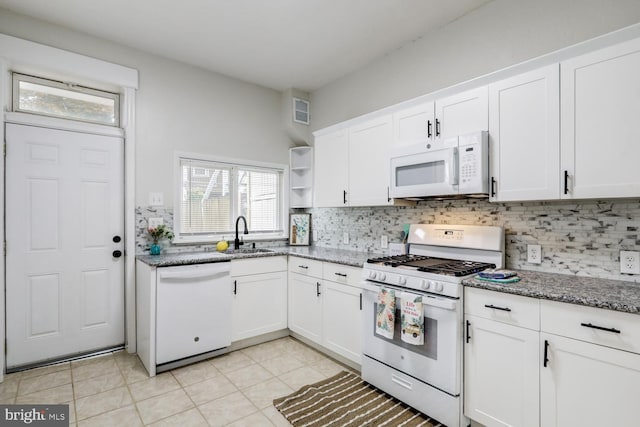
(243, 267)
(506, 308)
(342, 274)
(619, 330)
(307, 267)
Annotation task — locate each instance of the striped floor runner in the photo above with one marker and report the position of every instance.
(345, 400)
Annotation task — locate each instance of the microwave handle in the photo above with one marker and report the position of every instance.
(453, 166)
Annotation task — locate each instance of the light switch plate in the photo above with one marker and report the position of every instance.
(154, 222)
(156, 199)
(345, 238)
(384, 242)
(315, 235)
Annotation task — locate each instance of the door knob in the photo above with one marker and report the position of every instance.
(116, 239)
(116, 254)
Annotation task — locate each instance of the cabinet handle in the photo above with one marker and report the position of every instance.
(546, 353)
(235, 287)
(429, 129)
(317, 289)
(388, 195)
(493, 187)
(344, 197)
(468, 335)
(437, 127)
(360, 301)
(303, 266)
(340, 274)
(497, 308)
(566, 182)
(600, 328)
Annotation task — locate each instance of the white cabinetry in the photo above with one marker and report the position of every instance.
(600, 128)
(325, 305)
(259, 296)
(458, 114)
(592, 366)
(524, 132)
(305, 298)
(331, 167)
(301, 177)
(501, 371)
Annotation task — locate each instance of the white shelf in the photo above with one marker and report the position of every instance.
(306, 187)
(301, 168)
(301, 179)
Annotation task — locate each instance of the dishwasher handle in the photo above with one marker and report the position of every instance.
(192, 273)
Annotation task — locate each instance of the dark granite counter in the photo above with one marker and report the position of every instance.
(601, 293)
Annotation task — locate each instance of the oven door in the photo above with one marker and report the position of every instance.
(437, 361)
(424, 173)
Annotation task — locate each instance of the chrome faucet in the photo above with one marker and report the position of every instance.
(237, 242)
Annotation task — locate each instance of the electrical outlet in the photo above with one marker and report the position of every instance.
(630, 262)
(154, 222)
(156, 199)
(315, 235)
(534, 254)
(345, 238)
(384, 242)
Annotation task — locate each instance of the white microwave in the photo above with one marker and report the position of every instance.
(452, 167)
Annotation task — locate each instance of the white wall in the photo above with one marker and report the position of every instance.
(179, 107)
(495, 36)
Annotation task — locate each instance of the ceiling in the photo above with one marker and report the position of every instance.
(279, 44)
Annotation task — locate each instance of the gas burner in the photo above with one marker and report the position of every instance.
(396, 260)
(457, 268)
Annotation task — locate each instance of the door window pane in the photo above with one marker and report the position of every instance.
(51, 98)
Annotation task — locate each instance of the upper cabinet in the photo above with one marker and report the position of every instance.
(352, 165)
(524, 132)
(332, 170)
(600, 126)
(458, 114)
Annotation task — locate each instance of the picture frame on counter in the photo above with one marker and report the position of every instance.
(299, 229)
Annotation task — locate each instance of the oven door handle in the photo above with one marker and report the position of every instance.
(447, 304)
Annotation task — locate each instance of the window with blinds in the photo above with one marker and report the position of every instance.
(213, 194)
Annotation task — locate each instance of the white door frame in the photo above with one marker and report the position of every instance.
(45, 61)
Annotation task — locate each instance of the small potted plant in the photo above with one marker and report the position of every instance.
(158, 233)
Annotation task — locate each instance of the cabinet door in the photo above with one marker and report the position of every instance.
(586, 384)
(331, 166)
(600, 136)
(501, 368)
(369, 175)
(462, 113)
(305, 306)
(342, 320)
(259, 304)
(414, 125)
(524, 127)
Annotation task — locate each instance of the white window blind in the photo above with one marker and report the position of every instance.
(213, 194)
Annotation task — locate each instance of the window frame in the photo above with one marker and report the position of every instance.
(234, 163)
(15, 97)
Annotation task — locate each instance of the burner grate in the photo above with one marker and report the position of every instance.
(457, 268)
(396, 260)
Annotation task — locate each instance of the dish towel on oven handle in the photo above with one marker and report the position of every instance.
(386, 314)
(412, 319)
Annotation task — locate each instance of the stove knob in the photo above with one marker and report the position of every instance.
(372, 275)
(425, 285)
(381, 276)
(402, 280)
(438, 287)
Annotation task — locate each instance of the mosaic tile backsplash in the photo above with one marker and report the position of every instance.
(581, 238)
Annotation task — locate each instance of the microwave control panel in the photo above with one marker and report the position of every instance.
(473, 152)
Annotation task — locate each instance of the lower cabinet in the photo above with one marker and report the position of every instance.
(580, 367)
(342, 320)
(259, 296)
(325, 305)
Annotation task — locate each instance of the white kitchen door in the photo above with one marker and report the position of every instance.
(64, 236)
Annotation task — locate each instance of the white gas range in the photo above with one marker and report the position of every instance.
(428, 376)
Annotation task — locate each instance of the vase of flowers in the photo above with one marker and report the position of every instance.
(158, 233)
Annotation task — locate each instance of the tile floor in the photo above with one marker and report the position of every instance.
(236, 389)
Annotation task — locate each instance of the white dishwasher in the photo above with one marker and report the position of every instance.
(193, 311)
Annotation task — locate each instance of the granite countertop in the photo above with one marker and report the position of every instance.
(601, 293)
(337, 256)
